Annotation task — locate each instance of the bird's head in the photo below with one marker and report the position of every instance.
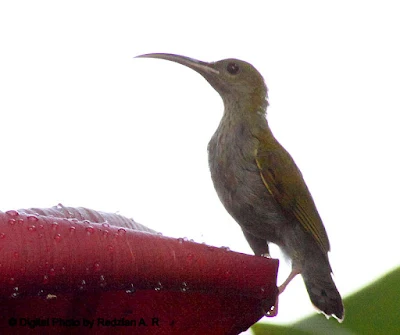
(237, 82)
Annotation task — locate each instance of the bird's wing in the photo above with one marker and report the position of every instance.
(285, 183)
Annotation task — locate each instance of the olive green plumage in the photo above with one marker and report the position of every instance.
(259, 183)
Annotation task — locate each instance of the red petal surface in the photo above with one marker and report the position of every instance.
(66, 269)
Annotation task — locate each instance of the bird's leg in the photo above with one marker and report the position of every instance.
(292, 274)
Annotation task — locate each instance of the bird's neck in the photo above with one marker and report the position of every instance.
(250, 114)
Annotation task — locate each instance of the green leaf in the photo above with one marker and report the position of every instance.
(374, 309)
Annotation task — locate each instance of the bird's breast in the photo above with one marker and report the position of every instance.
(237, 180)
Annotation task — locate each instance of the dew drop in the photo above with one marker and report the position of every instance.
(105, 225)
(63, 270)
(72, 229)
(105, 233)
(45, 279)
(12, 213)
(180, 240)
(12, 221)
(40, 293)
(54, 225)
(82, 285)
(2, 235)
(20, 220)
(160, 234)
(86, 222)
(57, 238)
(33, 218)
(32, 228)
(184, 287)
(89, 230)
(158, 287)
(121, 231)
(103, 282)
(11, 280)
(131, 289)
(96, 267)
(225, 248)
(52, 272)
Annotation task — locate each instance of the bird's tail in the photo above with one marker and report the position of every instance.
(322, 290)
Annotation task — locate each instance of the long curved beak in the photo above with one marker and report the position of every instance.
(203, 68)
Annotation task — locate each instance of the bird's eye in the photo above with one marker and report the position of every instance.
(232, 68)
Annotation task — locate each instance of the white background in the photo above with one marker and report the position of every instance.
(85, 124)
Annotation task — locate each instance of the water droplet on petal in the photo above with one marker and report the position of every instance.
(82, 285)
(225, 248)
(96, 267)
(121, 231)
(32, 228)
(52, 272)
(54, 225)
(131, 289)
(103, 282)
(2, 235)
(72, 229)
(33, 218)
(89, 230)
(158, 287)
(12, 221)
(45, 279)
(180, 240)
(184, 287)
(105, 225)
(105, 233)
(20, 220)
(12, 213)
(57, 238)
